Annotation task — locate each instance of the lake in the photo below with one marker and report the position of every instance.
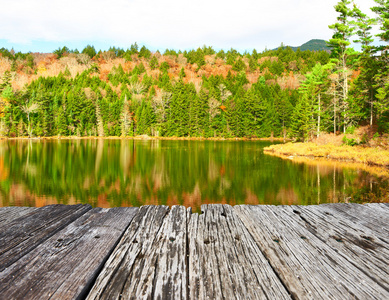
(115, 172)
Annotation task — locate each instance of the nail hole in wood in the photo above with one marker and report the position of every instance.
(172, 239)
(206, 242)
(135, 241)
(223, 214)
(367, 237)
(59, 240)
(97, 237)
(303, 237)
(276, 240)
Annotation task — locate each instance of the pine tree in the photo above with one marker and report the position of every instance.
(253, 64)
(90, 51)
(239, 65)
(303, 125)
(382, 10)
(182, 73)
(178, 113)
(339, 43)
(253, 113)
(311, 88)
(284, 109)
(382, 77)
(61, 122)
(363, 25)
(201, 118)
(154, 63)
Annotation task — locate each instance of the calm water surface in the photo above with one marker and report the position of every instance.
(109, 173)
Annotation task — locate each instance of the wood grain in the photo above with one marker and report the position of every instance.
(24, 234)
(307, 264)
(66, 265)
(224, 260)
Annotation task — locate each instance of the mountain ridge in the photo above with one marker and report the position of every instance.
(312, 45)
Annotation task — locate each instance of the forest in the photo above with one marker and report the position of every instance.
(204, 92)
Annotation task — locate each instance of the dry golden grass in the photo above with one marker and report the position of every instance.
(326, 166)
(359, 154)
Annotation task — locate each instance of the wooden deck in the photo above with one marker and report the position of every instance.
(329, 251)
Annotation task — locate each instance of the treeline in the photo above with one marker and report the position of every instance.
(150, 99)
(88, 106)
(204, 93)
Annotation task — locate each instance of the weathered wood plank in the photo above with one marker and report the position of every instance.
(355, 243)
(170, 275)
(66, 265)
(162, 273)
(224, 260)
(121, 275)
(384, 206)
(8, 214)
(24, 234)
(307, 265)
(374, 217)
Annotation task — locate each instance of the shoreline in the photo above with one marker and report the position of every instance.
(349, 154)
(143, 137)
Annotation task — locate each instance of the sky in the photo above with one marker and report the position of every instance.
(46, 25)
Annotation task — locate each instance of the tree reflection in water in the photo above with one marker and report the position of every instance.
(114, 172)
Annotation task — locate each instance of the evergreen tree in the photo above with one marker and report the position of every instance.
(382, 77)
(144, 52)
(368, 65)
(239, 65)
(154, 63)
(178, 117)
(253, 64)
(253, 113)
(145, 117)
(61, 122)
(284, 109)
(182, 73)
(311, 88)
(303, 125)
(382, 10)
(339, 43)
(90, 51)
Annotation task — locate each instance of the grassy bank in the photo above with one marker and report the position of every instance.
(359, 154)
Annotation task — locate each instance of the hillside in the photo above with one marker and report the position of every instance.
(196, 93)
(312, 45)
(315, 45)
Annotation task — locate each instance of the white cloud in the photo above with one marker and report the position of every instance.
(178, 24)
